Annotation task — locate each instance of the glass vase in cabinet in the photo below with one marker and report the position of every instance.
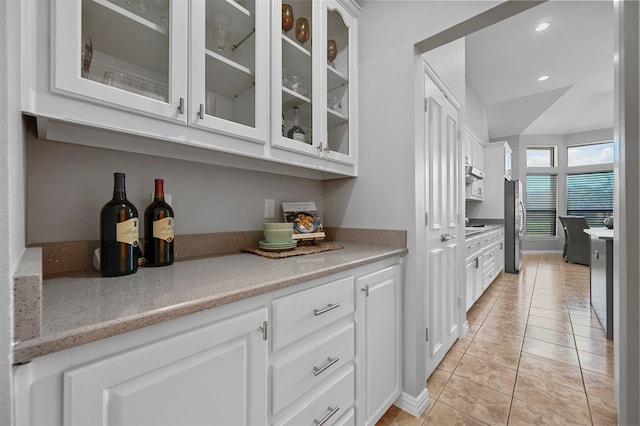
(314, 69)
(127, 54)
(229, 75)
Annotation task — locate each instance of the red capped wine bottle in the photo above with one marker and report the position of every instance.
(119, 230)
(158, 229)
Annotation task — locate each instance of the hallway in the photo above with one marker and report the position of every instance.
(534, 354)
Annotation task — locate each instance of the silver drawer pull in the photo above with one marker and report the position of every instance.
(317, 371)
(329, 307)
(323, 420)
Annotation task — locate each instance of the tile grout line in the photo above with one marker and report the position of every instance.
(515, 382)
(584, 386)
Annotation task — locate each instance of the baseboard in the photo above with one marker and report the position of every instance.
(465, 328)
(413, 406)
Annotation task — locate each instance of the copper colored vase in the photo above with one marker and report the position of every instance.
(332, 50)
(287, 17)
(302, 30)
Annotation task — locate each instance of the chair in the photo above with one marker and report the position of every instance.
(564, 228)
(576, 242)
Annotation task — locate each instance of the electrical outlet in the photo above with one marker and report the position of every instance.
(269, 208)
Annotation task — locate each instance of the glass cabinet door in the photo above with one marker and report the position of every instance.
(339, 92)
(128, 53)
(229, 66)
(294, 32)
(313, 67)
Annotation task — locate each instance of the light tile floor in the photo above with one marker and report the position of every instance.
(534, 354)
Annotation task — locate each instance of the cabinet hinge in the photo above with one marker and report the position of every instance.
(263, 329)
(426, 105)
(427, 334)
(459, 301)
(426, 219)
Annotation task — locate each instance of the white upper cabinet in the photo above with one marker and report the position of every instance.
(127, 54)
(135, 55)
(314, 69)
(230, 66)
(192, 78)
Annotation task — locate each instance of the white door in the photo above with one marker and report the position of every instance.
(442, 174)
(215, 375)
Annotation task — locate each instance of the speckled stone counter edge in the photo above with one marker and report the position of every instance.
(29, 348)
(71, 256)
(27, 293)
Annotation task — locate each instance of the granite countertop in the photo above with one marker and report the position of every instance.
(84, 307)
(601, 233)
(474, 230)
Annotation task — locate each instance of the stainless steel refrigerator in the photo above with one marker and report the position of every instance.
(514, 222)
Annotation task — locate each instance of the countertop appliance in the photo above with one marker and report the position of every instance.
(514, 223)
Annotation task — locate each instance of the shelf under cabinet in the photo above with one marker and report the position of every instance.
(227, 77)
(335, 118)
(335, 79)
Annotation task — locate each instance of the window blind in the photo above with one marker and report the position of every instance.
(590, 195)
(541, 205)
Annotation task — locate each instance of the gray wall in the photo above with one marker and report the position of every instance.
(385, 193)
(476, 114)
(69, 184)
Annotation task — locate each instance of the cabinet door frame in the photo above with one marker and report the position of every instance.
(316, 84)
(66, 31)
(372, 289)
(197, 74)
(89, 390)
(352, 113)
(319, 148)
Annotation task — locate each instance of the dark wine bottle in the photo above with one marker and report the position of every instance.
(119, 251)
(158, 229)
(295, 132)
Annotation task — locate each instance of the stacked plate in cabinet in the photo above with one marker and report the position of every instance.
(277, 246)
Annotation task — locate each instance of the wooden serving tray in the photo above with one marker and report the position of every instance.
(297, 251)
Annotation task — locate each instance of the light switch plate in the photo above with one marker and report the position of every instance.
(269, 208)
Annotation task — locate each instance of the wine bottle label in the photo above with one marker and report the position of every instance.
(300, 137)
(163, 229)
(127, 232)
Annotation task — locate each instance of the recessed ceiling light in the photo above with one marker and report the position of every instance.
(543, 26)
(543, 77)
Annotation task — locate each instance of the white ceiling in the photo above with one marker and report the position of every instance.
(505, 60)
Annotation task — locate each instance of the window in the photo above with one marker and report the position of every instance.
(588, 155)
(541, 156)
(541, 205)
(590, 195)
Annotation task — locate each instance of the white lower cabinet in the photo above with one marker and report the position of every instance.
(212, 373)
(313, 367)
(380, 335)
(331, 361)
(472, 275)
(484, 260)
(202, 377)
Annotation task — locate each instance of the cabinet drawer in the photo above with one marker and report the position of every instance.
(337, 399)
(312, 365)
(303, 313)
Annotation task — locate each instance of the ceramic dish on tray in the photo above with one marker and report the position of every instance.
(305, 222)
(277, 246)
